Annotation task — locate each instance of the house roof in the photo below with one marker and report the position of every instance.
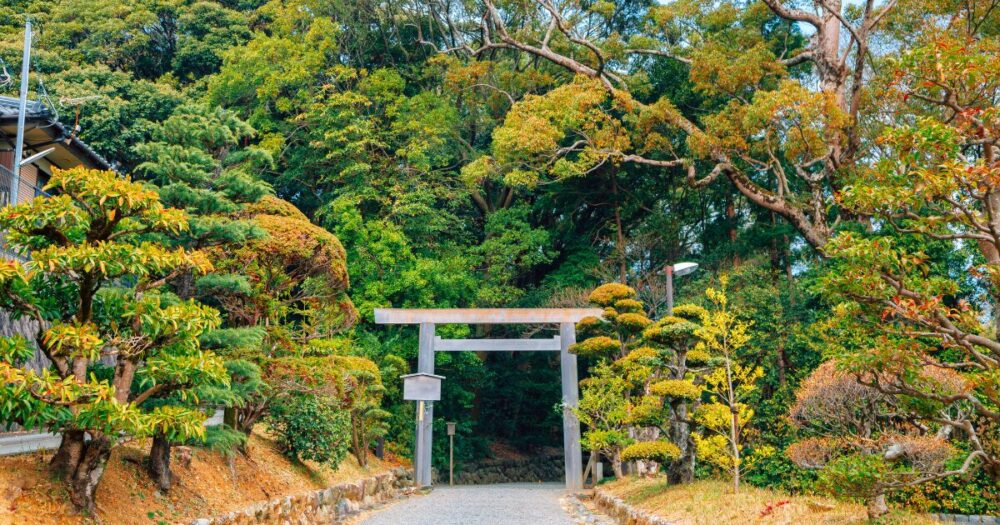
(43, 130)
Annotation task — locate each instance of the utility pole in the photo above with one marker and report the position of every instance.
(22, 109)
(669, 270)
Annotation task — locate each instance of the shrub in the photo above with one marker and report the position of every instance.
(609, 294)
(658, 451)
(630, 306)
(698, 357)
(312, 428)
(633, 322)
(675, 389)
(595, 346)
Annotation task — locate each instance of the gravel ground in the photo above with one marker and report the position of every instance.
(507, 504)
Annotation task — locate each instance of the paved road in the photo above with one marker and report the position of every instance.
(508, 504)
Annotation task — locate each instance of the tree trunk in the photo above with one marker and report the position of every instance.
(734, 440)
(681, 470)
(616, 464)
(68, 456)
(877, 506)
(159, 462)
(645, 467)
(358, 444)
(619, 234)
(85, 473)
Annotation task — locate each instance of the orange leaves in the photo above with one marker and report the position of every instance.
(814, 452)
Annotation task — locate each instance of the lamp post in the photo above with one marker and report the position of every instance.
(680, 269)
(451, 453)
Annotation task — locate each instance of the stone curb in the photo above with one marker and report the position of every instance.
(330, 505)
(623, 513)
(961, 518)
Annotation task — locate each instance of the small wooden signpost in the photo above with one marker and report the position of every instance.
(451, 453)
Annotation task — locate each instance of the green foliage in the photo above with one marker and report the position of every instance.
(88, 239)
(224, 440)
(852, 476)
(452, 181)
(312, 428)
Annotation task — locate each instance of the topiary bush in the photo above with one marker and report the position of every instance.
(658, 451)
(675, 389)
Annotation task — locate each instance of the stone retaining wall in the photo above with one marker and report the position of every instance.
(623, 513)
(960, 518)
(491, 471)
(327, 506)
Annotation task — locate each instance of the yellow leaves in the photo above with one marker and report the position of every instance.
(113, 259)
(717, 417)
(719, 69)
(791, 122)
(73, 340)
(609, 294)
(633, 322)
(743, 379)
(675, 389)
(659, 451)
(11, 271)
(595, 346)
(478, 171)
(564, 133)
(715, 450)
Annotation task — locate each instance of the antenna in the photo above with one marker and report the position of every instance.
(37, 156)
(5, 78)
(22, 109)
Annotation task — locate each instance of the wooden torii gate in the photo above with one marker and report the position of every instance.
(566, 318)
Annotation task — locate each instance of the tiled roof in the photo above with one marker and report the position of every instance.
(38, 111)
(10, 105)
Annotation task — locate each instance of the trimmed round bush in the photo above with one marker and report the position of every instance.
(675, 389)
(609, 294)
(633, 322)
(690, 312)
(595, 346)
(658, 451)
(629, 305)
(697, 357)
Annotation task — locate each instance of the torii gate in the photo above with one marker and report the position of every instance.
(566, 318)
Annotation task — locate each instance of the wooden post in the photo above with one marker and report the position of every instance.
(571, 398)
(451, 459)
(425, 421)
(418, 445)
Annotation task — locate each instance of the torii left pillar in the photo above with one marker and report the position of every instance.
(425, 421)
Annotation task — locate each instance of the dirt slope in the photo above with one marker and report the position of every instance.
(210, 485)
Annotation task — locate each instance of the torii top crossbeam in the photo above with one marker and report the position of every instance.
(483, 315)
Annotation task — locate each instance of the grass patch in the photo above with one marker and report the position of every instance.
(714, 503)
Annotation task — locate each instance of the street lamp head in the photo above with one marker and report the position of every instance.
(684, 268)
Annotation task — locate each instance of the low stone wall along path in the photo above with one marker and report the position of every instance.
(506, 504)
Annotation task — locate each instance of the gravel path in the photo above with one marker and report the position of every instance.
(508, 504)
